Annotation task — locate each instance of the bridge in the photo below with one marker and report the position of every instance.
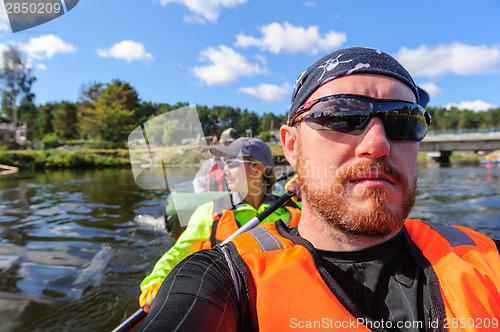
(443, 143)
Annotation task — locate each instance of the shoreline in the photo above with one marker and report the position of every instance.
(103, 158)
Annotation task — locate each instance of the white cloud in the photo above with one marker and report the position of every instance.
(432, 89)
(313, 4)
(289, 38)
(262, 59)
(456, 58)
(226, 66)
(41, 66)
(476, 106)
(207, 9)
(4, 27)
(269, 92)
(46, 46)
(127, 50)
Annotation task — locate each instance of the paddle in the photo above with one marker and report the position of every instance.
(132, 321)
(140, 314)
(285, 176)
(257, 219)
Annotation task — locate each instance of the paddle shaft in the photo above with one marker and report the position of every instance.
(285, 176)
(257, 219)
(132, 321)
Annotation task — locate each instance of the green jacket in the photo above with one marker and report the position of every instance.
(199, 230)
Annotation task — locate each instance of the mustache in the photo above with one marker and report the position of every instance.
(372, 167)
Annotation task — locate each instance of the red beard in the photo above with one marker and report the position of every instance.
(331, 203)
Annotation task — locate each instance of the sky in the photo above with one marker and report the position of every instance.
(248, 53)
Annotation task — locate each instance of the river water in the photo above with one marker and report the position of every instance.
(74, 245)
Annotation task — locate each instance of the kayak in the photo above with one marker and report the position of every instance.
(179, 206)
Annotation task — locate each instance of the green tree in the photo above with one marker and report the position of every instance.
(43, 121)
(64, 122)
(249, 120)
(451, 119)
(266, 136)
(269, 122)
(17, 79)
(468, 120)
(112, 116)
(206, 125)
(145, 111)
(86, 108)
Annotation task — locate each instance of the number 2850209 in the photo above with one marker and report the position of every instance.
(32, 8)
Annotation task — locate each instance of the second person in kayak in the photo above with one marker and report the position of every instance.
(249, 173)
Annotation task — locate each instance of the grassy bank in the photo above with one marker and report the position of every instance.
(90, 158)
(55, 159)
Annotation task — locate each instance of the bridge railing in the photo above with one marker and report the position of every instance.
(463, 131)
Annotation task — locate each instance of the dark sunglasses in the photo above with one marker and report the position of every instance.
(232, 163)
(351, 114)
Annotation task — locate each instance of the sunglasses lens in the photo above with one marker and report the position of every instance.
(402, 122)
(405, 127)
(232, 163)
(340, 123)
(351, 115)
(343, 115)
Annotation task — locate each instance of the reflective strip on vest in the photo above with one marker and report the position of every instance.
(266, 240)
(454, 236)
(225, 223)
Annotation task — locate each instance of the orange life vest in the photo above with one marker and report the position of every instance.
(225, 224)
(288, 292)
(215, 179)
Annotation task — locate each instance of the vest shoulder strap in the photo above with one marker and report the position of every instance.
(454, 236)
(265, 239)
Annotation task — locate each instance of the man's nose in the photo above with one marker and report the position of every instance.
(374, 141)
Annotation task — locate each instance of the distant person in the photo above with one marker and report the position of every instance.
(209, 176)
(354, 261)
(249, 171)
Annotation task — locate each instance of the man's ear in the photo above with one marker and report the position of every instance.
(289, 141)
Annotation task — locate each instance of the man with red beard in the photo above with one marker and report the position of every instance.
(354, 261)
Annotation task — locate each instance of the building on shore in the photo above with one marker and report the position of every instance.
(10, 133)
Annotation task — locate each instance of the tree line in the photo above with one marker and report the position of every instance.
(456, 119)
(108, 112)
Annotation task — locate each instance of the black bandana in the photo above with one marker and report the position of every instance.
(354, 60)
